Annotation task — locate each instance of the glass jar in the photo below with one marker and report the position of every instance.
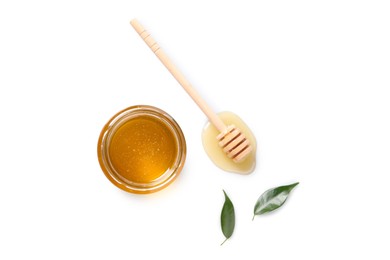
(141, 149)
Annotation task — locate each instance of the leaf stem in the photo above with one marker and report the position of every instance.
(224, 241)
(253, 217)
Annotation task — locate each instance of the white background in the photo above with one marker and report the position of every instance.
(311, 79)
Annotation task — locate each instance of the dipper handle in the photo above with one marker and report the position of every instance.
(153, 45)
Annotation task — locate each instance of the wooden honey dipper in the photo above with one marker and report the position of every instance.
(231, 139)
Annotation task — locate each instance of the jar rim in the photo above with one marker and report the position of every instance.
(112, 126)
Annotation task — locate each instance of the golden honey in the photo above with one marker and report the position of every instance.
(141, 149)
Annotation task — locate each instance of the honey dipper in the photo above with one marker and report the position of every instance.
(231, 139)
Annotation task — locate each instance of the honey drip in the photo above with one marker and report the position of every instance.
(215, 152)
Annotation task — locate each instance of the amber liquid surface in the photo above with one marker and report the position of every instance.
(143, 149)
(216, 154)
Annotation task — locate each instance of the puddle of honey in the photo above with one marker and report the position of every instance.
(215, 152)
(143, 149)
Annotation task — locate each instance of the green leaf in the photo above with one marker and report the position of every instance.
(272, 199)
(228, 218)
